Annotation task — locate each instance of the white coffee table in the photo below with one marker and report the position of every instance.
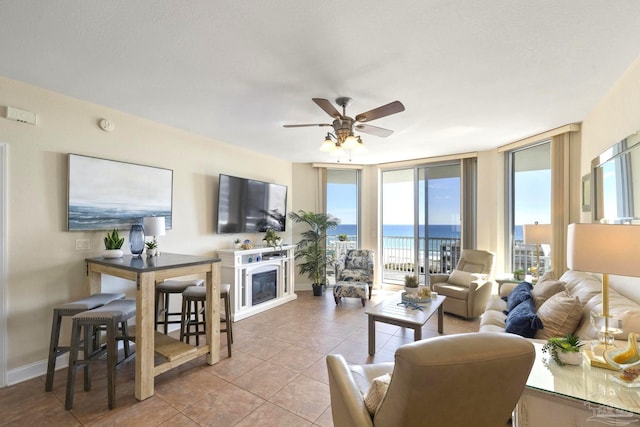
(388, 311)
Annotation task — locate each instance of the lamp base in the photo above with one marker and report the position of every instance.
(594, 355)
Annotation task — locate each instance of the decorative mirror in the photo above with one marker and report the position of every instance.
(616, 183)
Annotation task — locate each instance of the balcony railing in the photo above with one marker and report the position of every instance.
(444, 254)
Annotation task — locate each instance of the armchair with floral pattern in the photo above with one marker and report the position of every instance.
(354, 273)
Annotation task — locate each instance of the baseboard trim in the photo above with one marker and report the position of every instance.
(34, 370)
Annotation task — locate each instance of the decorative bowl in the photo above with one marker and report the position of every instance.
(610, 355)
(570, 357)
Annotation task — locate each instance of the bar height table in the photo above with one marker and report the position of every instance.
(146, 272)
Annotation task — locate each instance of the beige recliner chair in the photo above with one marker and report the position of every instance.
(473, 379)
(469, 285)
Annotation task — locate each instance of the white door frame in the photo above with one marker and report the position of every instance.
(3, 264)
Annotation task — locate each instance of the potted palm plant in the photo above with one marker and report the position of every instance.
(311, 247)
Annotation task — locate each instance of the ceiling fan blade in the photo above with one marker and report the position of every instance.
(306, 125)
(385, 110)
(327, 107)
(373, 130)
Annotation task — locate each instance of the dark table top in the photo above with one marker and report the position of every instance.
(144, 263)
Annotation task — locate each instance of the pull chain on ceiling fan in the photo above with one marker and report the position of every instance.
(342, 138)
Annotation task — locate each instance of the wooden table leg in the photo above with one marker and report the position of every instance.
(212, 310)
(145, 335)
(372, 335)
(441, 318)
(417, 333)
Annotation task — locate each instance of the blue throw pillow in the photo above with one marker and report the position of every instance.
(523, 320)
(520, 293)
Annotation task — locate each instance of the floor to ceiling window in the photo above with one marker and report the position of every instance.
(343, 189)
(421, 215)
(529, 195)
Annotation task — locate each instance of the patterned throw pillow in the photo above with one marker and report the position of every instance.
(373, 397)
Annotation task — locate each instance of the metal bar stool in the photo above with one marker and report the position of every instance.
(163, 290)
(190, 314)
(107, 317)
(70, 309)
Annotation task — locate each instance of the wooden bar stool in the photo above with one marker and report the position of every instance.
(191, 314)
(163, 291)
(107, 317)
(70, 309)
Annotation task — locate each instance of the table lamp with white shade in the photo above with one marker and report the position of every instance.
(606, 249)
(154, 226)
(536, 234)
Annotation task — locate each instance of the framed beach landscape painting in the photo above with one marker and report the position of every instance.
(106, 194)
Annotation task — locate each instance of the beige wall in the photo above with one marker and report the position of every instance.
(44, 268)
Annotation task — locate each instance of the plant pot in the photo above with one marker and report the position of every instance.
(152, 251)
(411, 290)
(570, 357)
(112, 253)
(317, 290)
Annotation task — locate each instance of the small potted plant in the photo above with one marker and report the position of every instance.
(411, 284)
(236, 243)
(343, 237)
(564, 350)
(271, 239)
(152, 248)
(112, 244)
(518, 274)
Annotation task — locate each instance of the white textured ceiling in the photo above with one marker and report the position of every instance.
(472, 74)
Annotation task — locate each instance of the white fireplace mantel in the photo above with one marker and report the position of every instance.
(238, 266)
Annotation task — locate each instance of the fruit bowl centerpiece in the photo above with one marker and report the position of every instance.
(621, 358)
(626, 359)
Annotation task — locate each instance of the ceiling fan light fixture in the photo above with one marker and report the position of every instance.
(337, 151)
(350, 142)
(327, 145)
(359, 147)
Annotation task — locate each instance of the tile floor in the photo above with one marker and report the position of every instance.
(276, 377)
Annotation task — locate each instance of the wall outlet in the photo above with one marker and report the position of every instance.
(83, 244)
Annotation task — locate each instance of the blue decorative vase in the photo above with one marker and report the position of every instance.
(136, 239)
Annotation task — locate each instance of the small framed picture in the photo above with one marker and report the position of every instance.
(586, 193)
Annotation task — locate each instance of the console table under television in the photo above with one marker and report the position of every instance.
(261, 278)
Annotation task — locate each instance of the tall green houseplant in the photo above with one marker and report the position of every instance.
(311, 248)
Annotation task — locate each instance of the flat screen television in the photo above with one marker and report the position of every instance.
(250, 206)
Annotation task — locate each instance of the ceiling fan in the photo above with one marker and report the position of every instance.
(344, 126)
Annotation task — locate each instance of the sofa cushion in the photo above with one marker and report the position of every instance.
(519, 294)
(545, 289)
(559, 315)
(373, 397)
(496, 303)
(585, 286)
(620, 307)
(523, 320)
(462, 278)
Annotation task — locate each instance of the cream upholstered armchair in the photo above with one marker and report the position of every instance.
(473, 379)
(468, 287)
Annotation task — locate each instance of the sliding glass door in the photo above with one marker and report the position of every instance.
(343, 189)
(421, 221)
